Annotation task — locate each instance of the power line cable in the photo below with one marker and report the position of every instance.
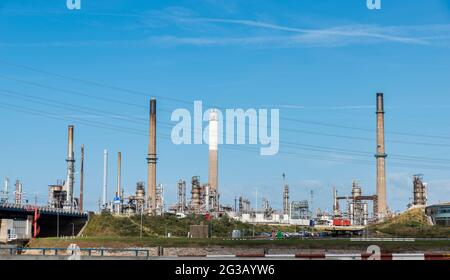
(123, 117)
(143, 133)
(34, 69)
(282, 129)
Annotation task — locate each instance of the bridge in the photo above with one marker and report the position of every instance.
(46, 221)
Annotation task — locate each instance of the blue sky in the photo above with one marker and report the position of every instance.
(319, 62)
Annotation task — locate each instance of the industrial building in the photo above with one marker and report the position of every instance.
(359, 210)
(63, 214)
(15, 231)
(61, 194)
(204, 197)
(292, 213)
(439, 213)
(419, 191)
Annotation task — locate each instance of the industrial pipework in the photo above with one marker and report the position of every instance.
(70, 170)
(82, 178)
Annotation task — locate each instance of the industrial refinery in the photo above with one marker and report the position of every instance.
(221, 130)
(351, 212)
(205, 196)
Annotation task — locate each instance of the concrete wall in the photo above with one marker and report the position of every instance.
(199, 231)
(19, 230)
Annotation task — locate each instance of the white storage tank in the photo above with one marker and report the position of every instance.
(236, 233)
(259, 218)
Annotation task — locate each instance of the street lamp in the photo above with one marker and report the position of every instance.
(57, 224)
(73, 229)
(140, 234)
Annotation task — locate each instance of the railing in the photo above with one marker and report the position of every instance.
(73, 251)
(29, 208)
(384, 239)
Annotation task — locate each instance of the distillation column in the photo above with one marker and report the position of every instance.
(285, 196)
(119, 180)
(70, 170)
(82, 178)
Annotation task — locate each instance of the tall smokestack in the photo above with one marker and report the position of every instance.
(70, 169)
(213, 145)
(151, 158)
(105, 177)
(81, 178)
(119, 169)
(381, 160)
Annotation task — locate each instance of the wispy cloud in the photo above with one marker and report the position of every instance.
(177, 26)
(362, 31)
(166, 40)
(349, 107)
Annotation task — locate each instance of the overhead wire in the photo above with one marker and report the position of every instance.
(288, 144)
(284, 143)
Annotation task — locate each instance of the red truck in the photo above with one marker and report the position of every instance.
(341, 222)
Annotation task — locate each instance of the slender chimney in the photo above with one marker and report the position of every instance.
(70, 169)
(82, 178)
(18, 192)
(105, 177)
(151, 158)
(381, 160)
(119, 168)
(4, 197)
(335, 201)
(285, 196)
(213, 147)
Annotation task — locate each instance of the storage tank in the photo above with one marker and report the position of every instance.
(259, 217)
(236, 233)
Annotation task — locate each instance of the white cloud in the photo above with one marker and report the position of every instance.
(197, 31)
(348, 107)
(368, 31)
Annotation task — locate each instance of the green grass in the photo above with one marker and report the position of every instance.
(156, 226)
(412, 223)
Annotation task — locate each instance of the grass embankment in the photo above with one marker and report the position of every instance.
(156, 226)
(412, 223)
